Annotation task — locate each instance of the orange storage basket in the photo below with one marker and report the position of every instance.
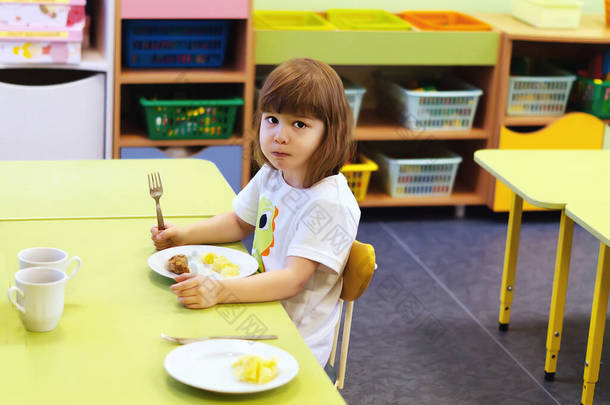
(444, 21)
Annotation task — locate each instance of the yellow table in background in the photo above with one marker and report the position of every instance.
(548, 179)
(595, 218)
(110, 189)
(106, 348)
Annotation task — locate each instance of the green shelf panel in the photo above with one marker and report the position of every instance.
(379, 47)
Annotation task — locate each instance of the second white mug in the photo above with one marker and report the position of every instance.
(47, 257)
(39, 297)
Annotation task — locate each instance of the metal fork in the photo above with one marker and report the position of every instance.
(156, 191)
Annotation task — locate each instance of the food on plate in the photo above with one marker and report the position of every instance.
(178, 264)
(220, 264)
(255, 369)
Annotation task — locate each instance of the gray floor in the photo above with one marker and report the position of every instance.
(426, 330)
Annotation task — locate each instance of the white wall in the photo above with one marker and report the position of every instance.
(485, 6)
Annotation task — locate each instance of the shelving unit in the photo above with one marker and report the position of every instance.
(521, 39)
(473, 56)
(238, 71)
(98, 57)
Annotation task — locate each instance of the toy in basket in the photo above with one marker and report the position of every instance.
(358, 174)
(414, 170)
(446, 104)
(190, 119)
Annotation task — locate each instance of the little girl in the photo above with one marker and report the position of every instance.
(299, 205)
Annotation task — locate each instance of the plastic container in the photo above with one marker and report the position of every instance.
(444, 21)
(358, 175)
(190, 119)
(441, 110)
(291, 20)
(593, 96)
(549, 13)
(354, 94)
(546, 92)
(40, 45)
(417, 173)
(371, 20)
(175, 43)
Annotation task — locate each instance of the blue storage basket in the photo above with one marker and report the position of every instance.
(175, 43)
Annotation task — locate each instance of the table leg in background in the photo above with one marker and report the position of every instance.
(598, 323)
(510, 259)
(558, 300)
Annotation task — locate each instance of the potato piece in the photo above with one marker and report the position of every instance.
(255, 369)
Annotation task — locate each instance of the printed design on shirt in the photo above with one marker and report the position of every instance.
(263, 234)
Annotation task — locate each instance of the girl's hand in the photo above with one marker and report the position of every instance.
(196, 291)
(171, 236)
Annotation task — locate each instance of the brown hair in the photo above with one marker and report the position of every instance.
(310, 88)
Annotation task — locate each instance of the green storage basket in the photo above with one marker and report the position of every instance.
(593, 96)
(190, 119)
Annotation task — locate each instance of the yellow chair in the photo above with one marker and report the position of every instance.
(357, 275)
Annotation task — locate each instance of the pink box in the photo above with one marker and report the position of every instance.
(42, 15)
(40, 44)
(40, 52)
(163, 9)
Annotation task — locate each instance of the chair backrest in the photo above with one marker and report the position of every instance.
(358, 271)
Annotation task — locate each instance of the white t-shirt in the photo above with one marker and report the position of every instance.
(318, 223)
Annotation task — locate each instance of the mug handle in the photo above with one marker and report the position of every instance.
(73, 272)
(11, 299)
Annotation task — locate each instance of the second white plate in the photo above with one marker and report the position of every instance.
(158, 261)
(209, 365)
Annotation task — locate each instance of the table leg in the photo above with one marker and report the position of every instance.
(598, 323)
(510, 259)
(558, 300)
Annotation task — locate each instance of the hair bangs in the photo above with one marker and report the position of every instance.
(297, 95)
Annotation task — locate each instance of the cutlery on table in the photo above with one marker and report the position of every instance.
(184, 341)
(156, 191)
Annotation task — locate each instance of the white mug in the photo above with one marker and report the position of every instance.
(46, 257)
(40, 297)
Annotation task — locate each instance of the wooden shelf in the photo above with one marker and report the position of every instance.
(373, 126)
(140, 76)
(142, 140)
(530, 121)
(461, 195)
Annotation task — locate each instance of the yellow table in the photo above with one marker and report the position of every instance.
(106, 348)
(110, 189)
(548, 179)
(595, 218)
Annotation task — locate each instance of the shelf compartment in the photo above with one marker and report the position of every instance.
(461, 195)
(137, 76)
(530, 121)
(141, 139)
(379, 47)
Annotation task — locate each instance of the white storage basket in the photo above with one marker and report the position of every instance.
(432, 174)
(443, 110)
(545, 94)
(354, 94)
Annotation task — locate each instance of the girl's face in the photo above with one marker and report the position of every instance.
(288, 141)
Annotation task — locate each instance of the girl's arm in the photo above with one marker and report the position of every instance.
(222, 228)
(202, 292)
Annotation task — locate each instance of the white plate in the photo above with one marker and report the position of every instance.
(158, 261)
(209, 365)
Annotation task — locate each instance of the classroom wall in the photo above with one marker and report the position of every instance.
(484, 6)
